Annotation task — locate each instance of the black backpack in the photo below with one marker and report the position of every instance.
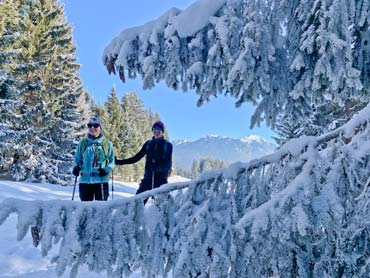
(165, 147)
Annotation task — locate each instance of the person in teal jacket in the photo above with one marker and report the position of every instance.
(94, 160)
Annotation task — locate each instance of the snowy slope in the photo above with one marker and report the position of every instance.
(21, 259)
(226, 149)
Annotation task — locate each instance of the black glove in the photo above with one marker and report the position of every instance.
(102, 172)
(76, 170)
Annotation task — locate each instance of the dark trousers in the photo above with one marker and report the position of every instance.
(89, 192)
(147, 184)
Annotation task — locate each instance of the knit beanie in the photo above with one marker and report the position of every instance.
(158, 124)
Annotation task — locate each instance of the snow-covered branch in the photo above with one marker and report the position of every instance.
(302, 212)
(282, 56)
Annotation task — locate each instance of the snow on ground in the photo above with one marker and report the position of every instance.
(21, 259)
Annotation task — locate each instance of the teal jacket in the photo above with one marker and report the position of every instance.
(93, 158)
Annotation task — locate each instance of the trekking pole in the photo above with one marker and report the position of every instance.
(152, 183)
(101, 185)
(112, 185)
(152, 180)
(74, 188)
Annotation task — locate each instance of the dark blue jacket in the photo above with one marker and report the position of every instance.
(158, 158)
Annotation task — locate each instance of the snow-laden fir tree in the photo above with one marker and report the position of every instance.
(112, 126)
(134, 133)
(11, 33)
(64, 93)
(300, 58)
(51, 95)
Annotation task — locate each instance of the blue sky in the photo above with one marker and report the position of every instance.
(96, 23)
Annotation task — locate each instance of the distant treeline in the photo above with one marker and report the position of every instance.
(200, 166)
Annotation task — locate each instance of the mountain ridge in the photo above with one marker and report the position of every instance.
(224, 148)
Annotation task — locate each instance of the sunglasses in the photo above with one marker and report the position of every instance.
(156, 129)
(93, 125)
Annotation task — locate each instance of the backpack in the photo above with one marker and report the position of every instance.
(165, 143)
(105, 147)
(164, 148)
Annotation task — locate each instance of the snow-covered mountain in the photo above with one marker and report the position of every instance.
(226, 149)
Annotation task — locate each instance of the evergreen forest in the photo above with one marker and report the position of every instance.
(44, 106)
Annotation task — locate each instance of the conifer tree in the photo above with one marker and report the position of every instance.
(207, 164)
(195, 169)
(98, 110)
(63, 88)
(113, 125)
(51, 94)
(11, 33)
(305, 58)
(134, 127)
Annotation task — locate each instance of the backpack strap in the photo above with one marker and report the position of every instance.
(105, 147)
(164, 147)
(147, 145)
(83, 146)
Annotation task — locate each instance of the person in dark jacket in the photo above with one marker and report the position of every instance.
(158, 163)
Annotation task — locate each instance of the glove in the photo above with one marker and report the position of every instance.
(76, 170)
(102, 172)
